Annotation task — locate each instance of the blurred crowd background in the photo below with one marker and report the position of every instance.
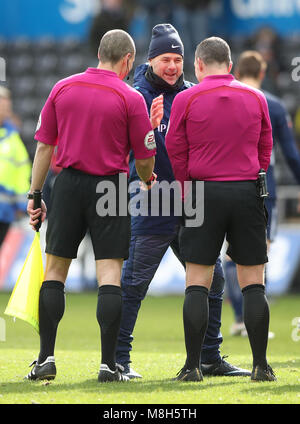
(44, 41)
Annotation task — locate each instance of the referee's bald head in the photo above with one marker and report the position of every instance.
(114, 45)
(214, 50)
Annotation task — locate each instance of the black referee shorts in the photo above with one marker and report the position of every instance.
(232, 210)
(73, 212)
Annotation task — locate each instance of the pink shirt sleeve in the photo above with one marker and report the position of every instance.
(141, 135)
(46, 130)
(265, 143)
(176, 140)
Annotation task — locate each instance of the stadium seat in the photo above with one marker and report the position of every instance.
(71, 64)
(27, 133)
(25, 107)
(20, 64)
(23, 85)
(46, 63)
(45, 84)
(68, 45)
(44, 45)
(3, 47)
(20, 45)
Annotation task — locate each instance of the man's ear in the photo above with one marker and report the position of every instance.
(230, 67)
(200, 64)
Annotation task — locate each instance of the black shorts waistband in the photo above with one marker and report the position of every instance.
(228, 182)
(79, 172)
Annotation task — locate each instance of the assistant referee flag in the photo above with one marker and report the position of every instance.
(24, 300)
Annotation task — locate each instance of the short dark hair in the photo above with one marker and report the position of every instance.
(114, 45)
(213, 50)
(250, 64)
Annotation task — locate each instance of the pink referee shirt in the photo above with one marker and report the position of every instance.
(96, 119)
(219, 130)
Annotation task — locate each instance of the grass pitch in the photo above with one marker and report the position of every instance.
(158, 353)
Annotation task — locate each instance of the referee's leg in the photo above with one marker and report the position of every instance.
(109, 307)
(213, 338)
(210, 353)
(52, 303)
(195, 310)
(256, 316)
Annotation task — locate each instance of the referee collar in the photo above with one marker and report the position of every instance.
(228, 77)
(101, 72)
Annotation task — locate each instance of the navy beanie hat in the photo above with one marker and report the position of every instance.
(165, 39)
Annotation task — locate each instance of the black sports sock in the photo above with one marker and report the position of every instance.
(109, 312)
(51, 310)
(256, 319)
(195, 320)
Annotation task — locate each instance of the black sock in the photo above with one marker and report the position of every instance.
(195, 320)
(109, 312)
(51, 310)
(256, 319)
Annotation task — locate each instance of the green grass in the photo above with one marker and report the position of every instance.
(158, 354)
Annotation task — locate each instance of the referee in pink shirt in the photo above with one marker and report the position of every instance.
(95, 119)
(220, 133)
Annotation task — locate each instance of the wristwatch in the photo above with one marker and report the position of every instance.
(30, 195)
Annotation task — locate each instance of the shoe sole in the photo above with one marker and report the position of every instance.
(227, 375)
(261, 380)
(44, 377)
(106, 378)
(132, 377)
(47, 377)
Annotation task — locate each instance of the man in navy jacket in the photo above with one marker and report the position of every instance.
(159, 82)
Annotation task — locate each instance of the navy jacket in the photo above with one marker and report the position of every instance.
(144, 225)
(282, 133)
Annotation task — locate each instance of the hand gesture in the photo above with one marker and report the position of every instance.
(157, 111)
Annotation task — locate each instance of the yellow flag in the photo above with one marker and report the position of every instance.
(24, 300)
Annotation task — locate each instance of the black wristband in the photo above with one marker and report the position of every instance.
(30, 195)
